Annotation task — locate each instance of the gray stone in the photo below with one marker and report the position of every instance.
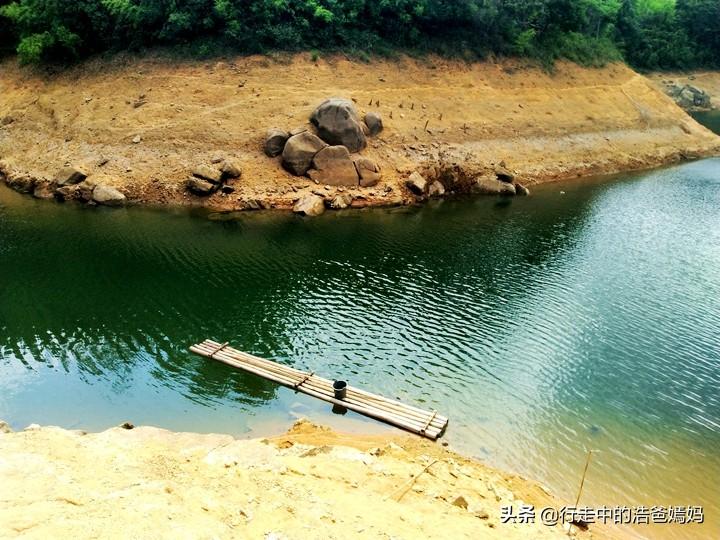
(367, 170)
(521, 190)
(198, 186)
(211, 174)
(108, 196)
(341, 201)
(374, 122)
(503, 173)
(310, 205)
(299, 152)
(436, 189)
(67, 193)
(231, 169)
(332, 166)
(417, 183)
(69, 176)
(85, 190)
(337, 123)
(492, 186)
(275, 141)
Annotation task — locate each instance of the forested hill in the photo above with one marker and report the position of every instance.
(648, 34)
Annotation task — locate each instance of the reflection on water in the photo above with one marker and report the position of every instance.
(542, 326)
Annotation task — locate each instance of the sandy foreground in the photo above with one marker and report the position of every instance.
(143, 124)
(308, 483)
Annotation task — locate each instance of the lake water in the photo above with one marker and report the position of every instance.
(584, 317)
(710, 119)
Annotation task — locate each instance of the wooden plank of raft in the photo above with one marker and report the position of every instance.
(425, 423)
(325, 386)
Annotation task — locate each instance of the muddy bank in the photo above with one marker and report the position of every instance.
(140, 127)
(309, 483)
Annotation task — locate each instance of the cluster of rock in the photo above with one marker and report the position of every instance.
(501, 181)
(70, 183)
(206, 179)
(325, 156)
(688, 96)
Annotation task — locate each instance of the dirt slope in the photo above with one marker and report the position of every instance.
(574, 122)
(309, 483)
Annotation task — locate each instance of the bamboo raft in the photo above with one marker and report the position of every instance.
(424, 423)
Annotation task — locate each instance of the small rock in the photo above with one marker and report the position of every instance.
(374, 122)
(127, 425)
(4, 427)
(460, 502)
(436, 189)
(44, 190)
(481, 513)
(491, 186)
(503, 173)
(341, 201)
(521, 190)
(275, 141)
(69, 176)
(231, 169)
(416, 183)
(108, 196)
(208, 173)
(200, 186)
(310, 205)
(368, 171)
(136, 139)
(85, 190)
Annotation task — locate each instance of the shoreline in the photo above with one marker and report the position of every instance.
(58, 481)
(142, 126)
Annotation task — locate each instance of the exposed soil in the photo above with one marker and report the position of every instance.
(443, 118)
(309, 483)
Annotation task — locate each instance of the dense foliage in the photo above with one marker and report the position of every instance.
(648, 33)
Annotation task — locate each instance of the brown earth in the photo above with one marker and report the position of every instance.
(309, 483)
(445, 118)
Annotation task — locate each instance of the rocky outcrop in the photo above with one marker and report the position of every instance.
(299, 152)
(368, 171)
(688, 96)
(310, 205)
(44, 190)
(275, 141)
(337, 123)
(417, 183)
(332, 165)
(108, 196)
(22, 183)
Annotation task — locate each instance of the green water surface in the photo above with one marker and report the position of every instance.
(584, 317)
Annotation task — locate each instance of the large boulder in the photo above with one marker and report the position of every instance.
(374, 122)
(337, 123)
(417, 183)
(108, 196)
(332, 165)
(310, 205)
(69, 176)
(231, 169)
(368, 171)
(275, 141)
(299, 152)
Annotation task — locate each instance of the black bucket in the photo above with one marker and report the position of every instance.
(340, 388)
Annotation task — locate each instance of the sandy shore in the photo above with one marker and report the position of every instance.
(308, 483)
(142, 125)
